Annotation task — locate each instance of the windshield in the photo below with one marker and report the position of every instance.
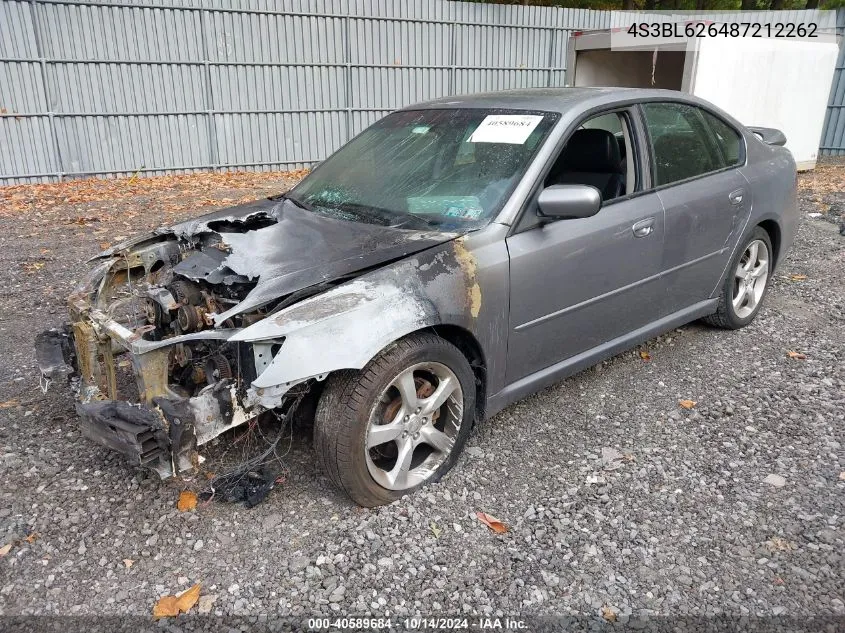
(433, 169)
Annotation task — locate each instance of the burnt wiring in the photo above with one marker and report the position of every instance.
(253, 476)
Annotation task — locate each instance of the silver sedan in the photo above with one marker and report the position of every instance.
(452, 258)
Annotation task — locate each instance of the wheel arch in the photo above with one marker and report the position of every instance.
(772, 228)
(469, 346)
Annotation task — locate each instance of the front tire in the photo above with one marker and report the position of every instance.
(746, 284)
(398, 424)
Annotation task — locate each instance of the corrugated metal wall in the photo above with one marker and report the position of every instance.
(102, 87)
(162, 86)
(833, 134)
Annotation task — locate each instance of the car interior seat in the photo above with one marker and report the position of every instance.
(591, 157)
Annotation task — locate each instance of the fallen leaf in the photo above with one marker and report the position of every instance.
(796, 355)
(166, 607)
(608, 614)
(32, 537)
(5, 549)
(189, 598)
(778, 544)
(797, 277)
(33, 267)
(492, 522)
(128, 562)
(187, 501)
(8, 404)
(645, 355)
(435, 530)
(104, 245)
(171, 606)
(687, 404)
(83, 221)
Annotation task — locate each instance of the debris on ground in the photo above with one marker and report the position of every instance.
(611, 458)
(247, 485)
(827, 177)
(187, 501)
(7, 547)
(775, 480)
(608, 613)
(205, 603)
(172, 606)
(780, 544)
(492, 522)
(253, 474)
(174, 194)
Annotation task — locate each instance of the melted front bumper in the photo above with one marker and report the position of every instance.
(124, 400)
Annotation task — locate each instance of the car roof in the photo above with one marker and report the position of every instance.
(550, 99)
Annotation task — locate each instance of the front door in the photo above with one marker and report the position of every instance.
(578, 283)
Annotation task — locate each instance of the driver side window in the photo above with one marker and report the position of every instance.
(598, 153)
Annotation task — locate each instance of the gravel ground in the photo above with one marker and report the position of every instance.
(618, 500)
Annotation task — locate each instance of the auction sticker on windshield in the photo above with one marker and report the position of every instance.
(505, 128)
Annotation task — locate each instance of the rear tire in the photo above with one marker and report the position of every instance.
(746, 283)
(398, 424)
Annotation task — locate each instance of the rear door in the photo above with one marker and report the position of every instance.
(578, 283)
(707, 201)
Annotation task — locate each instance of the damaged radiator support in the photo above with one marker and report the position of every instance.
(163, 428)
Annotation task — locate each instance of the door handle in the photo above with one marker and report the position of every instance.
(643, 228)
(737, 196)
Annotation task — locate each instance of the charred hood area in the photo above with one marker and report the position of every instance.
(154, 345)
(201, 279)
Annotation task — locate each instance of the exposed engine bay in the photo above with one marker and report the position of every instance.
(175, 337)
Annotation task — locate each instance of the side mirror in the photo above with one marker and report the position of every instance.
(569, 201)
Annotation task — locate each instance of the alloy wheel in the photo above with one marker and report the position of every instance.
(750, 277)
(413, 426)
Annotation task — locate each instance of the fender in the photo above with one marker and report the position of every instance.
(341, 329)
(345, 327)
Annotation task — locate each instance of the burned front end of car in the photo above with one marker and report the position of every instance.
(182, 334)
(154, 375)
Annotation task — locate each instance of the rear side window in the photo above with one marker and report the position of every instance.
(727, 138)
(683, 144)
